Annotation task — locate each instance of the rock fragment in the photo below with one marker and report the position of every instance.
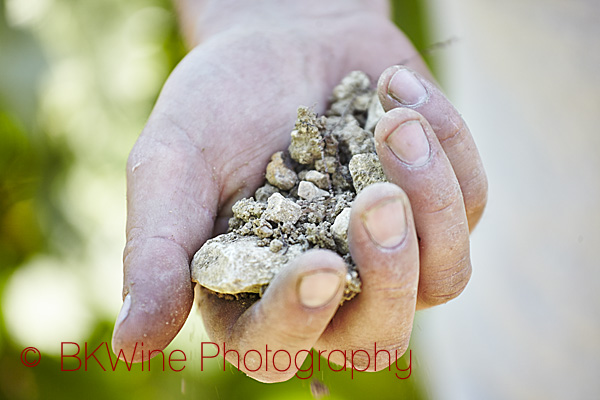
(320, 235)
(307, 143)
(264, 192)
(353, 284)
(309, 191)
(236, 264)
(318, 178)
(339, 230)
(351, 137)
(275, 245)
(279, 174)
(280, 209)
(365, 170)
(247, 209)
(263, 230)
(376, 111)
(353, 83)
(352, 95)
(326, 165)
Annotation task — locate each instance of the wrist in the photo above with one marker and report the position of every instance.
(203, 19)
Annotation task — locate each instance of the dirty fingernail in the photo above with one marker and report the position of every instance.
(124, 312)
(318, 288)
(386, 223)
(409, 143)
(407, 88)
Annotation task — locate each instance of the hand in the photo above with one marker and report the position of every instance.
(225, 109)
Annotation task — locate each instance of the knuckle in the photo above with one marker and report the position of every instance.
(445, 283)
(401, 291)
(378, 357)
(455, 131)
(443, 200)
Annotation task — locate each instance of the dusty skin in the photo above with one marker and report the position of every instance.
(306, 200)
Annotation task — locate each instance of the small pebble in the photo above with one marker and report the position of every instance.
(339, 230)
(280, 209)
(365, 170)
(279, 174)
(318, 178)
(275, 245)
(308, 191)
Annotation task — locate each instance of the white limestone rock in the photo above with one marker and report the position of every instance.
(376, 111)
(339, 230)
(318, 178)
(280, 209)
(232, 264)
(308, 191)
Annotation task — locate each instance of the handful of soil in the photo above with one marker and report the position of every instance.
(306, 200)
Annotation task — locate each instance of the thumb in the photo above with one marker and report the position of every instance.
(171, 203)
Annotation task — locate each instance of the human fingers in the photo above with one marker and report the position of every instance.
(374, 328)
(412, 158)
(284, 324)
(171, 203)
(401, 87)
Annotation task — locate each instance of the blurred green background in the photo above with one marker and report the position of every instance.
(77, 82)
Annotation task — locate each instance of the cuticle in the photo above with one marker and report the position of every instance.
(406, 105)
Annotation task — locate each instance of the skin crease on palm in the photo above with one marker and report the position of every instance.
(224, 110)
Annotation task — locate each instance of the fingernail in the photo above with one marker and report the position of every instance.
(409, 143)
(124, 311)
(318, 288)
(407, 88)
(386, 223)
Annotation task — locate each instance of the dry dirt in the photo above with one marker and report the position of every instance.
(306, 200)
